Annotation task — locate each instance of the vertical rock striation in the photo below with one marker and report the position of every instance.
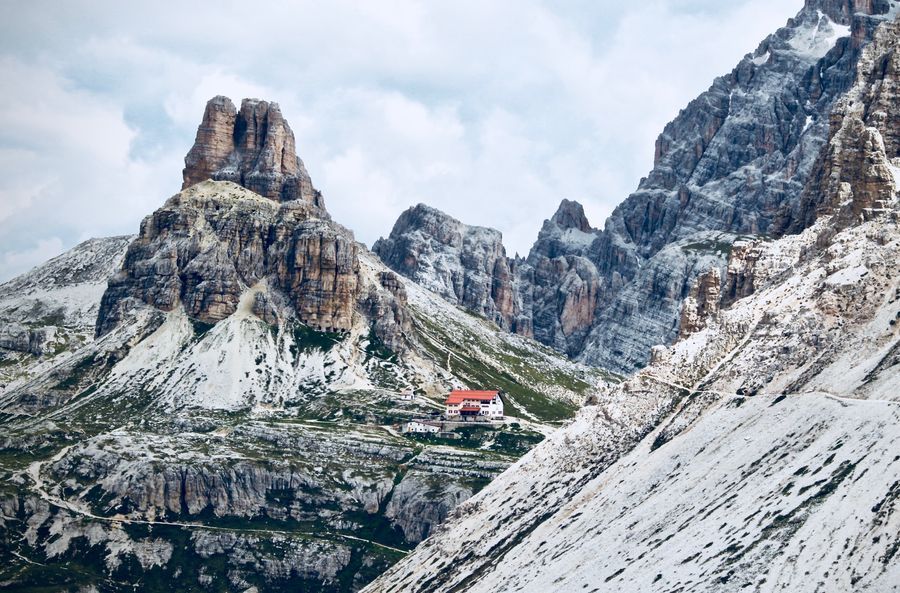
(701, 304)
(564, 283)
(207, 245)
(253, 147)
(467, 265)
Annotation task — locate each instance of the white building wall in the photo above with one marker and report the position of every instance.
(492, 409)
(419, 427)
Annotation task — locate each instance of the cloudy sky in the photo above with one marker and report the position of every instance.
(492, 111)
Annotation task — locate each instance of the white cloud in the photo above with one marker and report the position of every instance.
(69, 175)
(491, 111)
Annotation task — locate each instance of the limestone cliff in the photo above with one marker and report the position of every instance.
(215, 240)
(465, 264)
(247, 221)
(563, 283)
(253, 147)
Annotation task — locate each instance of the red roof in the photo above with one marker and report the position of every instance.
(470, 409)
(458, 397)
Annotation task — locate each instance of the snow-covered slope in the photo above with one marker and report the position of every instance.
(51, 310)
(68, 286)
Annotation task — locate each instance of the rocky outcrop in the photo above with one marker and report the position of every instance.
(418, 510)
(467, 265)
(701, 305)
(564, 284)
(19, 338)
(249, 558)
(391, 322)
(740, 276)
(253, 147)
(843, 10)
(317, 265)
(214, 143)
(211, 242)
(856, 175)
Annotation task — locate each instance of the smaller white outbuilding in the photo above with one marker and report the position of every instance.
(422, 426)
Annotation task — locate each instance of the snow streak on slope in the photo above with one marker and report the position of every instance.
(816, 37)
(49, 312)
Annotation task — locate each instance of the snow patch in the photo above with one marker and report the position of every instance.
(816, 38)
(760, 60)
(847, 276)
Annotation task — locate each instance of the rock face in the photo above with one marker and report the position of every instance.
(563, 283)
(19, 338)
(735, 162)
(467, 265)
(211, 242)
(739, 277)
(253, 147)
(701, 305)
(855, 176)
(391, 320)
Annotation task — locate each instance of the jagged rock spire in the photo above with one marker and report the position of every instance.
(253, 147)
(570, 215)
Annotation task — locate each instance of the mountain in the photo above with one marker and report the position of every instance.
(467, 265)
(253, 147)
(213, 403)
(52, 309)
(759, 451)
(732, 165)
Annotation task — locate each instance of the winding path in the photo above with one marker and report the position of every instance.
(34, 472)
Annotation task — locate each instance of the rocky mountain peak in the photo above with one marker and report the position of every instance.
(570, 215)
(736, 162)
(842, 11)
(467, 265)
(253, 147)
